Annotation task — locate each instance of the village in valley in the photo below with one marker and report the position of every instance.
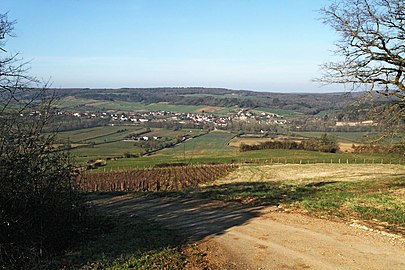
(186, 119)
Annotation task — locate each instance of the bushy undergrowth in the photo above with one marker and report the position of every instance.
(123, 242)
(41, 212)
(371, 148)
(327, 143)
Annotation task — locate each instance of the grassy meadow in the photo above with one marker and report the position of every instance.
(213, 147)
(209, 148)
(111, 149)
(98, 134)
(205, 150)
(110, 141)
(212, 144)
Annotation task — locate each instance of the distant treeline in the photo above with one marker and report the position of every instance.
(310, 104)
(326, 143)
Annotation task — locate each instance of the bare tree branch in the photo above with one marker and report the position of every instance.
(371, 48)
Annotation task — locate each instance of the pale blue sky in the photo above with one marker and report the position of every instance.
(264, 45)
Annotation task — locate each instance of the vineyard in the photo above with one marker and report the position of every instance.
(154, 179)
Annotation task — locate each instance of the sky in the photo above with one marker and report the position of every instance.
(262, 45)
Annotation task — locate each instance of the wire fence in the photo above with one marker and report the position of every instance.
(398, 161)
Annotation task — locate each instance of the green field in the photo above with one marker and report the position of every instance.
(208, 148)
(285, 113)
(226, 110)
(109, 141)
(126, 106)
(212, 144)
(114, 149)
(98, 134)
(213, 148)
(163, 132)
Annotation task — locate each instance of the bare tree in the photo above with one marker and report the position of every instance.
(371, 49)
(13, 71)
(39, 207)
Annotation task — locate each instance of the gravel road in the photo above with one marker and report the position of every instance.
(233, 236)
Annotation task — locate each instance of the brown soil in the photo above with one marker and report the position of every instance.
(231, 236)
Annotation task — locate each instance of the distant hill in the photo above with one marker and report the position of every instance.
(306, 103)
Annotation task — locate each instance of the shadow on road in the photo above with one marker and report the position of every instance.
(206, 211)
(194, 218)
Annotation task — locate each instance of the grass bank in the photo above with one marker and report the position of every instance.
(371, 193)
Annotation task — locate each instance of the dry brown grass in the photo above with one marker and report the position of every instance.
(347, 147)
(236, 142)
(312, 172)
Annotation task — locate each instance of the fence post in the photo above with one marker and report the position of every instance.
(339, 160)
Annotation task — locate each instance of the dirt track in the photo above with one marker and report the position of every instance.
(241, 237)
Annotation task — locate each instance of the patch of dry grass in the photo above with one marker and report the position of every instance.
(312, 172)
(371, 193)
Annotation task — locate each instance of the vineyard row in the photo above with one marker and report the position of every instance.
(153, 179)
